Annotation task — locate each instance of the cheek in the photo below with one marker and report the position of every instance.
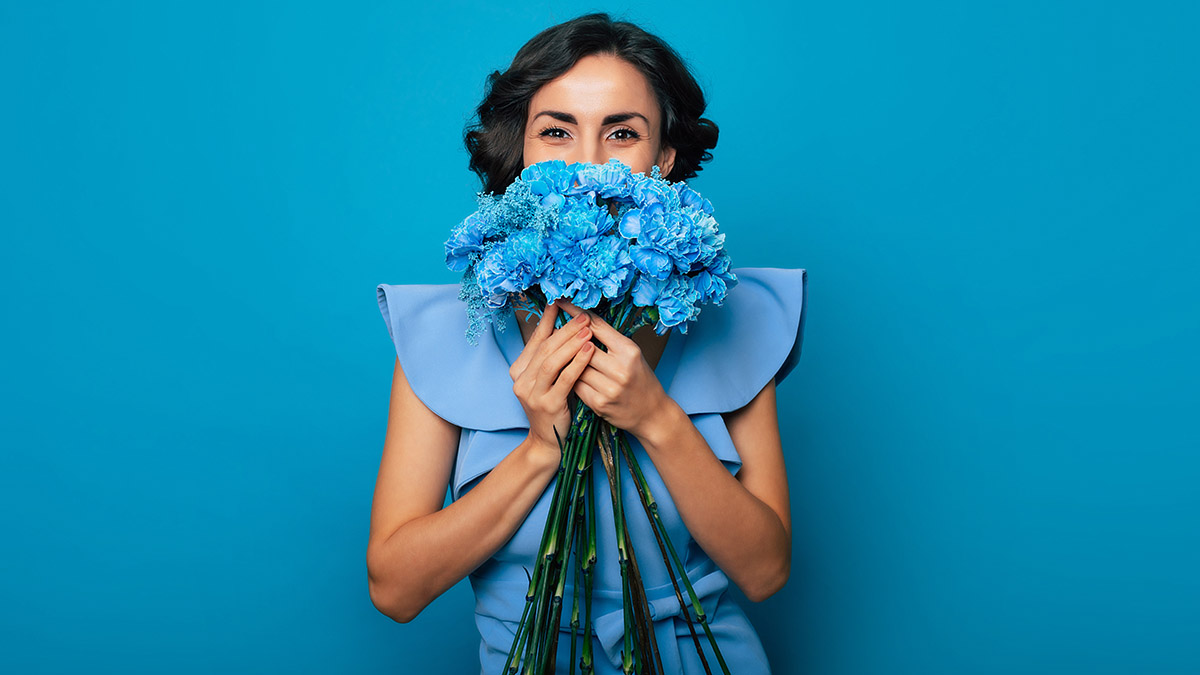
(533, 153)
(640, 159)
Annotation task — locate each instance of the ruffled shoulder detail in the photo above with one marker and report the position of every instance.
(732, 350)
(727, 356)
(466, 385)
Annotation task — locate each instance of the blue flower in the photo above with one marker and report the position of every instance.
(511, 266)
(552, 176)
(675, 297)
(587, 263)
(684, 239)
(690, 198)
(466, 241)
(631, 223)
(646, 191)
(581, 219)
(708, 240)
(714, 281)
(591, 233)
(613, 179)
(651, 261)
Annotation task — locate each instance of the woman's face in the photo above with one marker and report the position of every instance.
(601, 108)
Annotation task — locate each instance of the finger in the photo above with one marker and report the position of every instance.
(570, 374)
(590, 396)
(608, 336)
(598, 381)
(570, 307)
(549, 365)
(544, 327)
(545, 324)
(605, 362)
(568, 331)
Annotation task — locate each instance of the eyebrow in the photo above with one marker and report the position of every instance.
(610, 119)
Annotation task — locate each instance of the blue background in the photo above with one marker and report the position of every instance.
(991, 436)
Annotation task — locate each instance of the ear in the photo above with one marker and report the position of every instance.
(666, 160)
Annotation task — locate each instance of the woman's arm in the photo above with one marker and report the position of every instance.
(417, 550)
(742, 523)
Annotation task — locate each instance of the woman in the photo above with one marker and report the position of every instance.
(699, 408)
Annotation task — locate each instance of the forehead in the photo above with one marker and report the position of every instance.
(597, 85)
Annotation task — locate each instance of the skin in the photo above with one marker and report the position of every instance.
(417, 549)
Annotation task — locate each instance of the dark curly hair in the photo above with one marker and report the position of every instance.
(496, 141)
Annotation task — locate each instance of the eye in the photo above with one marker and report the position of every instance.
(549, 132)
(631, 134)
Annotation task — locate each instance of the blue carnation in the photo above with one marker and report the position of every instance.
(513, 265)
(611, 180)
(592, 232)
(631, 222)
(588, 270)
(688, 238)
(581, 219)
(651, 261)
(675, 297)
(714, 281)
(552, 176)
(708, 240)
(646, 191)
(466, 240)
(680, 238)
(690, 198)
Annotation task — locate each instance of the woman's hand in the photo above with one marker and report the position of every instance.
(545, 372)
(618, 384)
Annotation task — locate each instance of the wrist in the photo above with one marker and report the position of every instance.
(544, 458)
(661, 424)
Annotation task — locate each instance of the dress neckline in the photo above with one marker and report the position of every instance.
(511, 344)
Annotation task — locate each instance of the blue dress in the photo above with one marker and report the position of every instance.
(727, 356)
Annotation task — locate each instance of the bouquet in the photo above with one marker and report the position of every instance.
(637, 250)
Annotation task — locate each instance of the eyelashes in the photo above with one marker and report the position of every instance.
(630, 134)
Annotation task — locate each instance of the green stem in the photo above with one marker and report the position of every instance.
(588, 566)
(701, 616)
(650, 506)
(646, 655)
(531, 633)
(574, 481)
(578, 588)
(536, 639)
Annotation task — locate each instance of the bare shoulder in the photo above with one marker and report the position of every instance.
(418, 457)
